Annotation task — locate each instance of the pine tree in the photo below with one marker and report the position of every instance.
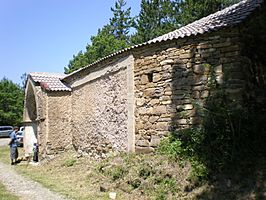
(156, 17)
(111, 38)
(196, 9)
(121, 22)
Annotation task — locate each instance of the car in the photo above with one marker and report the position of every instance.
(5, 131)
(20, 136)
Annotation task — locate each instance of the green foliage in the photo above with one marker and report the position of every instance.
(11, 103)
(116, 172)
(121, 22)
(230, 132)
(196, 9)
(109, 39)
(171, 147)
(156, 17)
(69, 162)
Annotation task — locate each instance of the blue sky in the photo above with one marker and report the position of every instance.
(43, 35)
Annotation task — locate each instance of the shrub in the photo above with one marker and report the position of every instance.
(69, 162)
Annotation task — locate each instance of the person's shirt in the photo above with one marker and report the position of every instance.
(13, 137)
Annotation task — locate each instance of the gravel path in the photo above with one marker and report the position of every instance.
(24, 188)
(4, 141)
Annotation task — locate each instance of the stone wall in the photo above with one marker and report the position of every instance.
(101, 106)
(57, 136)
(171, 78)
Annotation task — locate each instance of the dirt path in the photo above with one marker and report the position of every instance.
(24, 188)
(4, 141)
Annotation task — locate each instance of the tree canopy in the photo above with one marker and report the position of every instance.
(156, 17)
(11, 103)
(111, 38)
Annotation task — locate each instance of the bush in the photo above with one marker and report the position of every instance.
(230, 131)
(69, 162)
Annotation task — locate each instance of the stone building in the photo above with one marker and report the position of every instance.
(129, 100)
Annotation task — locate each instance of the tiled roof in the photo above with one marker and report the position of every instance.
(227, 17)
(50, 81)
(230, 16)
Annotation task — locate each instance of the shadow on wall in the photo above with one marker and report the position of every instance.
(222, 130)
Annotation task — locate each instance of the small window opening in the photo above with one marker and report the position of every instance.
(150, 77)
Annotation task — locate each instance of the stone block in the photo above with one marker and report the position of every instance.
(140, 102)
(167, 68)
(201, 69)
(149, 92)
(168, 102)
(155, 141)
(166, 76)
(219, 79)
(164, 119)
(139, 126)
(144, 149)
(153, 119)
(196, 94)
(205, 94)
(158, 110)
(165, 98)
(158, 92)
(187, 56)
(162, 126)
(218, 69)
(182, 121)
(144, 79)
(168, 93)
(142, 143)
(189, 65)
(204, 45)
(167, 62)
(199, 80)
(156, 77)
(188, 107)
(153, 102)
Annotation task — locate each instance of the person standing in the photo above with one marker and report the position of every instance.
(13, 146)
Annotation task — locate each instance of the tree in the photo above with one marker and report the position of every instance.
(156, 17)
(77, 62)
(192, 10)
(103, 44)
(23, 80)
(111, 38)
(11, 103)
(121, 22)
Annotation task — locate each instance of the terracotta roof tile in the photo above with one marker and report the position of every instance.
(230, 16)
(50, 81)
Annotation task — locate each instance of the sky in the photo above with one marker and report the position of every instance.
(43, 35)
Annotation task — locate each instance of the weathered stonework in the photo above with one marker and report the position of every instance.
(58, 134)
(171, 77)
(100, 107)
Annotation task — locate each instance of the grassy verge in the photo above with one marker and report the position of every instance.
(142, 177)
(5, 195)
(131, 176)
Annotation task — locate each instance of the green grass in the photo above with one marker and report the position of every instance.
(5, 195)
(134, 176)
(4, 155)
